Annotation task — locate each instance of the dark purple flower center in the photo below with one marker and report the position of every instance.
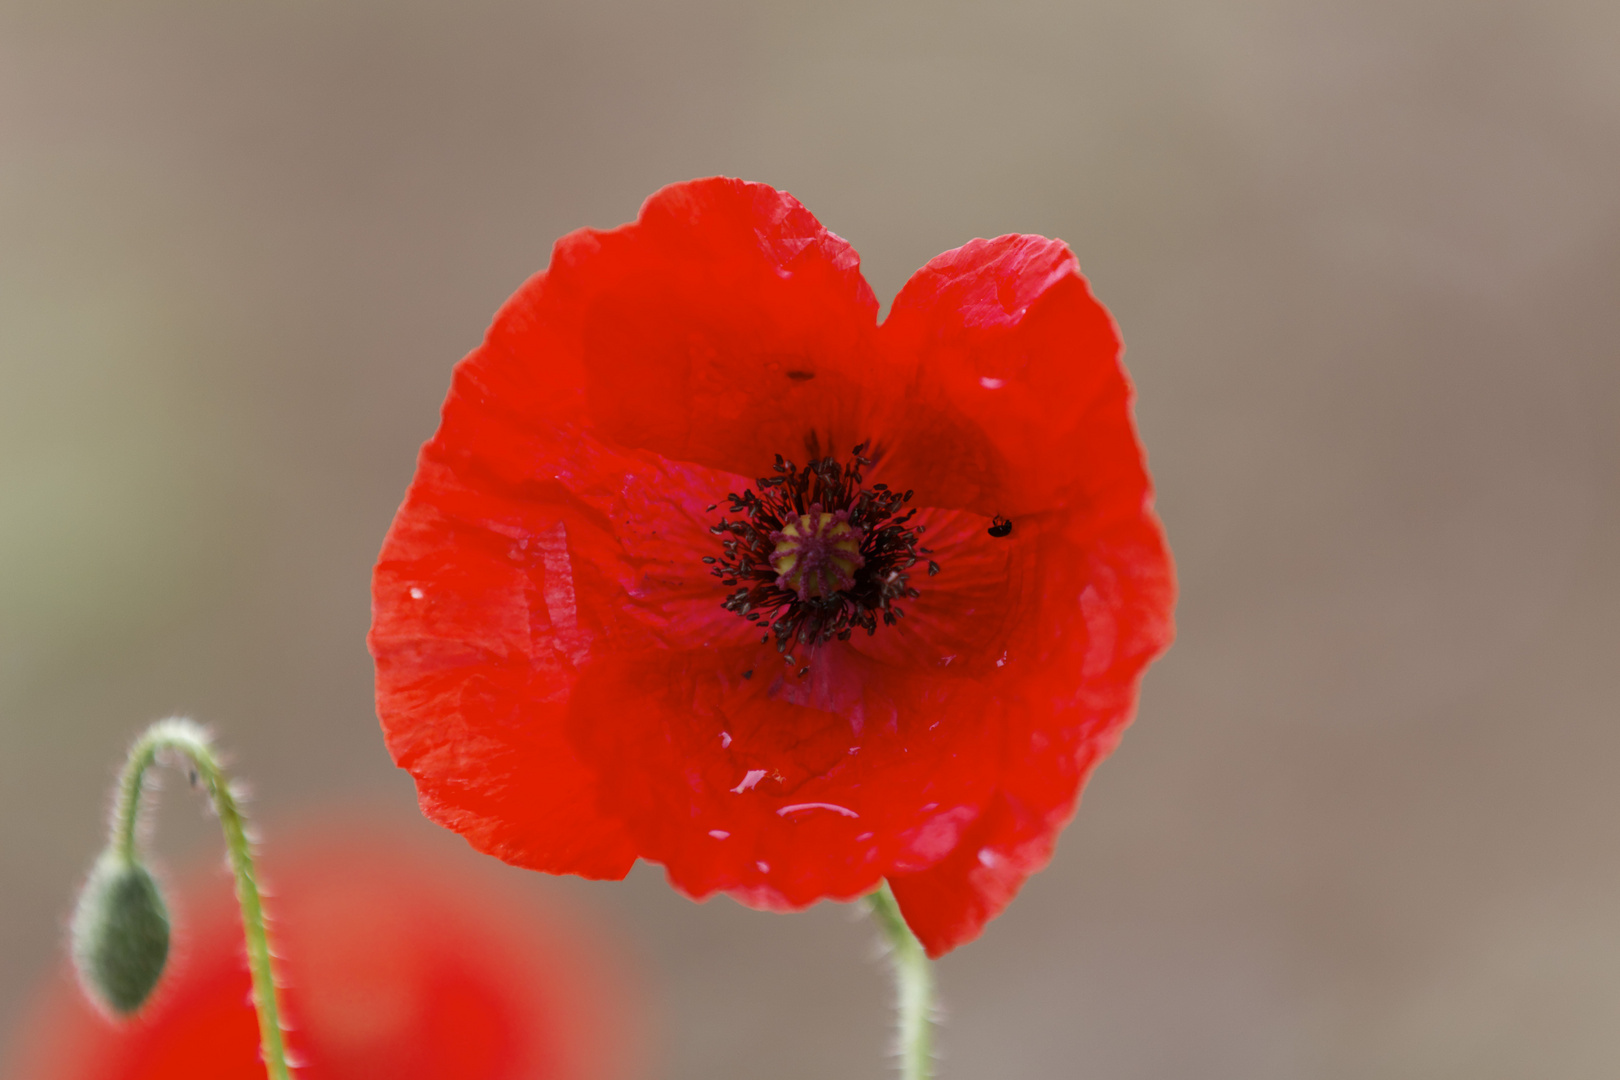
(814, 554)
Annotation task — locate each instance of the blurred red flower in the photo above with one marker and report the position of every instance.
(396, 964)
(706, 566)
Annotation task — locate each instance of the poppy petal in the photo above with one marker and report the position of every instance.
(476, 635)
(1010, 346)
(720, 328)
(1070, 718)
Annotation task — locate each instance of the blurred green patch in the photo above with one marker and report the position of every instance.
(103, 488)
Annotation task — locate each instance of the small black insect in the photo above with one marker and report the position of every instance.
(1000, 526)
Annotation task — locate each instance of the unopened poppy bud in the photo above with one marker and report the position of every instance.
(120, 933)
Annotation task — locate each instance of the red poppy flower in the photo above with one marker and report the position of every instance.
(705, 566)
(394, 964)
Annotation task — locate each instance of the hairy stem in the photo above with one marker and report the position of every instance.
(914, 980)
(184, 737)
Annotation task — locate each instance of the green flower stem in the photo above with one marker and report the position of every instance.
(186, 738)
(914, 979)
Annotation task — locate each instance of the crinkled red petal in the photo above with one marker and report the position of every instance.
(1070, 717)
(739, 776)
(721, 328)
(475, 646)
(1011, 349)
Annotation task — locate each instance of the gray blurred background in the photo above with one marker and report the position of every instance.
(1366, 257)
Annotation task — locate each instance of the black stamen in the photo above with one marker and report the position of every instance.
(889, 547)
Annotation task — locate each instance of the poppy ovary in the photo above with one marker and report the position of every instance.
(817, 554)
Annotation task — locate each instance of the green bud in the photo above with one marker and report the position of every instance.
(120, 934)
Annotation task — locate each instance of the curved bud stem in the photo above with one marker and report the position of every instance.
(914, 980)
(184, 737)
